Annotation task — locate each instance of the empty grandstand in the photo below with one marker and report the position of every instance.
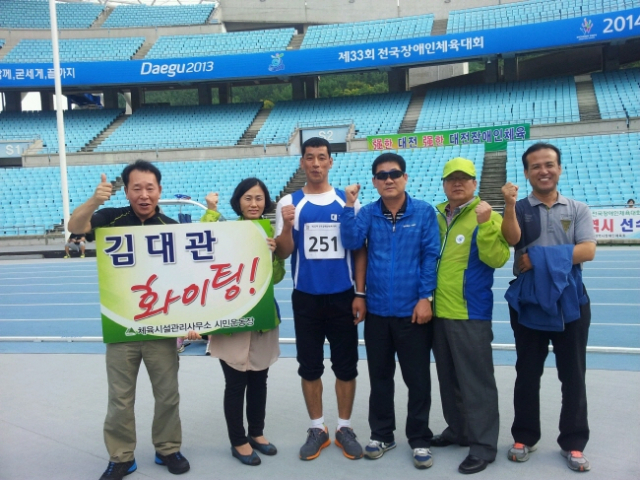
(318, 36)
(30, 200)
(75, 50)
(162, 127)
(424, 167)
(546, 101)
(618, 93)
(35, 14)
(506, 90)
(82, 126)
(29, 190)
(531, 11)
(597, 170)
(370, 114)
(131, 16)
(221, 43)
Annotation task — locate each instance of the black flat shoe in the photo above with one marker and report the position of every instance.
(473, 464)
(268, 449)
(252, 459)
(440, 441)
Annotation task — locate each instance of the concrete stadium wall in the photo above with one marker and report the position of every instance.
(102, 158)
(339, 11)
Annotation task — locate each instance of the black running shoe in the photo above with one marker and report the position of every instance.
(175, 462)
(118, 470)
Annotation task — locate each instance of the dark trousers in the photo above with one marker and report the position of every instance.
(384, 337)
(316, 317)
(570, 349)
(464, 361)
(255, 384)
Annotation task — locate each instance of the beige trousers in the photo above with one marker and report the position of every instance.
(123, 363)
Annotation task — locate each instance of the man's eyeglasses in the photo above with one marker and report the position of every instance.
(393, 174)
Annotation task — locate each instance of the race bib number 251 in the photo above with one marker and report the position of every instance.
(322, 241)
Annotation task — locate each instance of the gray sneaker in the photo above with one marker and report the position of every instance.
(346, 440)
(376, 449)
(520, 452)
(317, 439)
(576, 460)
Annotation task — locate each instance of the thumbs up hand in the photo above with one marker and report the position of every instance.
(103, 191)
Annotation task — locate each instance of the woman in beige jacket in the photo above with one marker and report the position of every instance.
(246, 357)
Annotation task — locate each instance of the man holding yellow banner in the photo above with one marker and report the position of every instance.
(142, 187)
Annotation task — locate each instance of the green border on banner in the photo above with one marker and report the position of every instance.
(261, 314)
(494, 138)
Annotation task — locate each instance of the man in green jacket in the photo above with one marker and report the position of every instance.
(472, 246)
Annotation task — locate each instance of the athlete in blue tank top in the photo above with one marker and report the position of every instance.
(323, 300)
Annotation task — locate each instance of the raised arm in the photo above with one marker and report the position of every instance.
(285, 216)
(80, 221)
(353, 228)
(510, 227)
(492, 246)
(212, 214)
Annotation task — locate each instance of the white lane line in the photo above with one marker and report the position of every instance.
(616, 268)
(288, 319)
(592, 324)
(52, 276)
(42, 270)
(47, 284)
(292, 341)
(592, 278)
(598, 304)
(59, 293)
(594, 289)
(31, 305)
(79, 319)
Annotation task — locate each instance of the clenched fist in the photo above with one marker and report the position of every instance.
(212, 201)
(483, 212)
(352, 194)
(510, 194)
(288, 215)
(103, 190)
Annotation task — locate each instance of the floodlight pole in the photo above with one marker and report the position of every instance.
(62, 153)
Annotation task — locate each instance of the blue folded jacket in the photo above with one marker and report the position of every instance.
(549, 295)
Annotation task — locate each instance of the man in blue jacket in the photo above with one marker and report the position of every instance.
(403, 243)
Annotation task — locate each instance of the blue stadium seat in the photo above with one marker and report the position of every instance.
(174, 46)
(531, 11)
(131, 16)
(370, 114)
(319, 36)
(618, 93)
(75, 50)
(81, 127)
(552, 100)
(35, 14)
(151, 128)
(596, 181)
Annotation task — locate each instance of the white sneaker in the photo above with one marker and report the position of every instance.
(422, 458)
(376, 449)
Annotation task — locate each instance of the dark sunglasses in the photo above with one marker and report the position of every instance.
(393, 174)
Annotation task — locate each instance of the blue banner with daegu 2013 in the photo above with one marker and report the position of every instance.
(600, 28)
